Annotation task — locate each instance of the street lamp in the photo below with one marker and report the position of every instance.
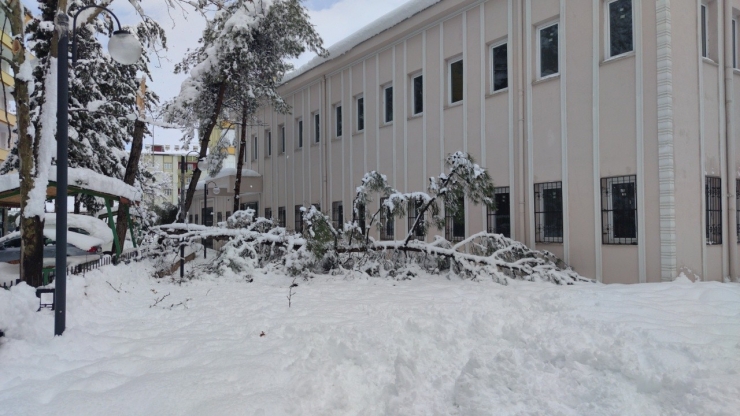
(125, 49)
(216, 191)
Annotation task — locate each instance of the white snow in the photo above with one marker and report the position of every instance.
(225, 172)
(385, 22)
(356, 346)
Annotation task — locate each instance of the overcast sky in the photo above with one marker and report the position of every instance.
(334, 20)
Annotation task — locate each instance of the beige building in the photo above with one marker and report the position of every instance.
(608, 126)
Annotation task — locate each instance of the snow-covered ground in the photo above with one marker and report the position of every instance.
(356, 346)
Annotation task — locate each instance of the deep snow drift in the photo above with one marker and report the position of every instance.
(353, 346)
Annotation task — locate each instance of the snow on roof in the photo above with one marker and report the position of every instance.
(380, 25)
(227, 172)
(82, 178)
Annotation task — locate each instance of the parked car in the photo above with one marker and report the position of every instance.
(77, 245)
(87, 225)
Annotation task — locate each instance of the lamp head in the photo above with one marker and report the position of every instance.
(124, 47)
(216, 190)
(202, 165)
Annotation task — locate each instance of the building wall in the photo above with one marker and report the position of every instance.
(598, 118)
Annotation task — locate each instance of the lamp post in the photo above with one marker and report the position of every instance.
(216, 191)
(183, 169)
(125, 49)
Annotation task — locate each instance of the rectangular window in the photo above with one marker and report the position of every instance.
(455, 220)
(298, 219)
(737, 209)
(386, 222)
(547, 55)
(281, 216)
(361, 218)
(418, 94)
(338, 120)
(360, 114)
(196, 219)
(619, 210)
(704, 34)
(619, 27)
(282, 139)
(500, 66)
(337, 215)
(190, 218)
(219, 217)
(388, 97)
(268, 140)
(316, 128)
(167, 166)
(254, 148)
(228, 214)
(714, 209)
(300, 133)
(414, 209)
(499, 219)
(734, 43)
(456, 81)
(548, 212)
(268, 213)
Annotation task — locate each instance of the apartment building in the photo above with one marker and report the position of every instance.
(609, 127)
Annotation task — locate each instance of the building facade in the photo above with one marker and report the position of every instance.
(609, 127)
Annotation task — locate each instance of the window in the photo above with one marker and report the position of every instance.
(207, 216)
(734, 43)
(316, 128)
(388, 97)
(360, 114)
(619, 27)
(268, 145)
(498, 221)
(196, 219)
(219, 217)
(414, 209)
(337, 214)
(417, 85)
(168, 192)
(455, 220)
(456, 81)
(282, 139)
(254, 148)
(167, 166)
(548, 212)
(268, 213)
(300, 133)
(386, 222)
(361, 218)
(500, 67)
(298, 219)
(281, 217)
(190, 218)
(547, 56)
(619, 210)
(338, 120)
(228, 214)
(714, 209)
(704, 34)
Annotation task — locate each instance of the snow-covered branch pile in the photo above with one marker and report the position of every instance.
(324, 246)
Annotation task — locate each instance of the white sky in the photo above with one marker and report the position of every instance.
(334, 20)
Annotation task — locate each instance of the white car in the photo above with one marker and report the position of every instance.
(87, 225)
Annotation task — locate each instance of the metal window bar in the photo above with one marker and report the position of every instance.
(268, 213)
(455, 224)
(298, 219)
(337, 215)
(386, 224)
(413, 211)
(281, 216)
(548, 212)
(498, 221)
(619, 210)
(713, 189)
(361, 218)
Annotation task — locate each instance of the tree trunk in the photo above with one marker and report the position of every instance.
(205, 133)
(132, 168)
(78, 202)
(240, 160)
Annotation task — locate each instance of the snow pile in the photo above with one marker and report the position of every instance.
(81, 177)
(368, 346)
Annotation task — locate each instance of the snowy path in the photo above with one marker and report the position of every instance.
(428, 346)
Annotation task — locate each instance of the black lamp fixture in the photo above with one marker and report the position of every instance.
(124, 48)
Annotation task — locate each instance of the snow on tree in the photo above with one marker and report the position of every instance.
(238, 64)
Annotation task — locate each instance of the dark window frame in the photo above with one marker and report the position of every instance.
(388, 104)
(317, 127)
(713, 209)
(255, 148)
(455, 227)
(268, 142)
(618, 49)
(338, 120)
(500, 71)
(498, 220)
(456, 88)
(417, 94)
(360, 104)
(704, 29)
(619, 210)
(548, 217)
(282, 139)
(549, 72)
(298, 220)
(268, 213)
(300, 132)
(414, 206)
(337, 215)
(281, 217)
(387, 225)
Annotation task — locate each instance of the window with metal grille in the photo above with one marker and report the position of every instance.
(337, 215)
(499, 219)
(268, 213)
(713, 189)
(455, 220)
(196, 219)
(281, 216)
(413, 211)
(386, 223)
(619, 210)
(190, 218)
(548, 212)
(298, 219)
(361, 218)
